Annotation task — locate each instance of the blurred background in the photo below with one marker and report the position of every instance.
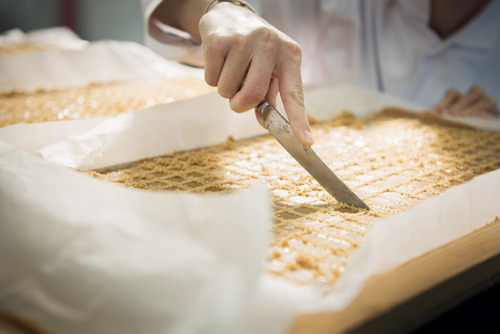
(90, 19)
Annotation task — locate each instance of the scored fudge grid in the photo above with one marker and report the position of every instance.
(392, 161)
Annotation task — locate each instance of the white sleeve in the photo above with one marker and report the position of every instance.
(168, 41)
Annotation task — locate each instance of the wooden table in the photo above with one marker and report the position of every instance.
(400, 300)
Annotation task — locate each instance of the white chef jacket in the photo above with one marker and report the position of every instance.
(385, 45)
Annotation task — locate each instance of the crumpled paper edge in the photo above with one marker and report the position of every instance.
(60, 37)
(102, 142)
(96, 62)
(88, 256)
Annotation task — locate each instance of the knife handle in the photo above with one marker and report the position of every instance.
(263, 109)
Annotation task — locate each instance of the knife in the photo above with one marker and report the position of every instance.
(280, 128)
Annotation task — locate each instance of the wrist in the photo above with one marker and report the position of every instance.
(181, 14)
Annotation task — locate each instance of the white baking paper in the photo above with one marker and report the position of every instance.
(96, 62)
(55, 37)
(82, 256)
(103, 142)
(207, 120)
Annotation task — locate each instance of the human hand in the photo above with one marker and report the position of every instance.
(248, 60)
(474, 103)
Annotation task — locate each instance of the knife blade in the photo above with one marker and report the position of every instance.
(280, 128)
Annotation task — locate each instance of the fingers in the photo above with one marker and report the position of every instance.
(259, 118)
(215, 56)
(487, 104)
(293, 101)
(486, 107)
(257, 83)
(232, 60)
(292, 95)
(270, 97)
(234, 73)
(286, 79)
(474, 103)
(473, 96)
(272, 91)
(450, 98)
(245, 48)
(224, 33)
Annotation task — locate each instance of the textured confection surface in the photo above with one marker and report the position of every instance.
(392, 160)
(95, 100)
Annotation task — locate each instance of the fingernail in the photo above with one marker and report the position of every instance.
(308, 138)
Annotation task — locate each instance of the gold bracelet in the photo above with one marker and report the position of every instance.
(241, 3)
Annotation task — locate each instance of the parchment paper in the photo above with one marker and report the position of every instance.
(81, 256)
(97, 62)
(59, 37)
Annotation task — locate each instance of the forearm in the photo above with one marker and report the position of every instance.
(182, 14)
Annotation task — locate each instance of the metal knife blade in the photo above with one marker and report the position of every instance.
(280, 128)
